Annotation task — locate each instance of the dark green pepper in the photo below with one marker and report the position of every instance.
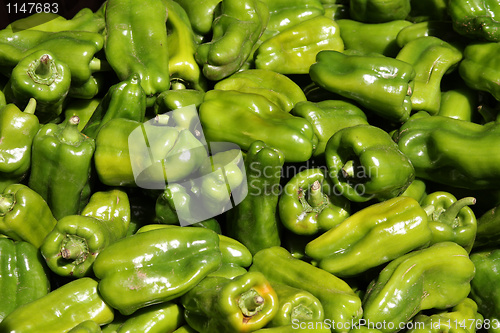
(376, 11)
(488, 229)
(23, 278)
(476, 19)
(428, 10)
(61, 166)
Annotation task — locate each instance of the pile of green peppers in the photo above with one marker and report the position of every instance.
(225, 166)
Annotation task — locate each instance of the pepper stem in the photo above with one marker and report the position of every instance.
(30, 108)
(348, 169)
(99, 65)
(70, 134)
(74, 248)
(7, 202)
(43, 70)
(250, 303)
(301, 313)
(452, 212)
(316, 197)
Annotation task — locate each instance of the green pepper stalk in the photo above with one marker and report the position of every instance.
(17, 130)
(61, 165)
(451, 219)
(24, 278)
(61, 309)
(308, 204)
(242, 304)
(24, 215)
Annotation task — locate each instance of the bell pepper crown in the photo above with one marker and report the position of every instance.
(200, 179)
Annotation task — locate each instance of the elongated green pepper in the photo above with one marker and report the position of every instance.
(155, 266)
(18, 129)
(61, 309)
(408, 285)
(61, 166)
(243, 304)
(24, 215)
(23, 278)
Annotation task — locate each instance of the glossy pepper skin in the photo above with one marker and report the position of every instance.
(236, 29)
(61, 166)
(201, 14)
(43, 77)
(256, 118)
(24, 215)
(476, 19)
(125, 99)
(439, 150)
(375, 11)
(451, 219)
(372, 37)
(327, 117)
(87, 326)
(339, 301)
(381, 84)
(243, 304)
(136, 43)
(254, 222)
(83, 108)
(177, 98)
(365, 163)
(308, 204)
(155, 266)
(408, 285)
(431, 58)
(18, 129)
(294, 49)
(23, 276)
(295, 305)
(462, 318)
(484, 286)
(61, 309)
(367, 238)
(460, 103)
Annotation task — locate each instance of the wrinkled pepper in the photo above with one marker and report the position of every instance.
(23, 277)
(475, 19)
(17, 130)
(381, 84)
(365, 163)
(24, 215)
(308, 204)
(155, 266)
(409, 284)
(339, 301)
(367, 239)
(61, 309)
(451, 219)
(243, 304)
(61, 167)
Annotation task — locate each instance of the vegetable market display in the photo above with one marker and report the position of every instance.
(252, 166)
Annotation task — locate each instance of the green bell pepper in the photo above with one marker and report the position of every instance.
(276, 87)
(254, 117)
(61, 166)
(428, 10)
(23, 278)
(17, 130)
(234, 252)
(437, 277)
(364, 163)
(372, 37)
(125, 99)
(295, 305)
(327, 117)
(83, 108)
(371, 237)
(237, 27)
(416, 190)
(440, 29)
(463, 318)
(136, 43)
(155, 266)
(475, 19)
(172, 99)
(201, 14)
(24, 215)
(460, 103)
(431, 59)
(309, 205)
(87, 326)
(381, 84)
(43, 77)
(484, 287)
(254, 221)
(439, 149)
(376, 11)
(243, 304)
(61, 309)
(229, 271)
(341, 305)
(294, 49)
(451, 219)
